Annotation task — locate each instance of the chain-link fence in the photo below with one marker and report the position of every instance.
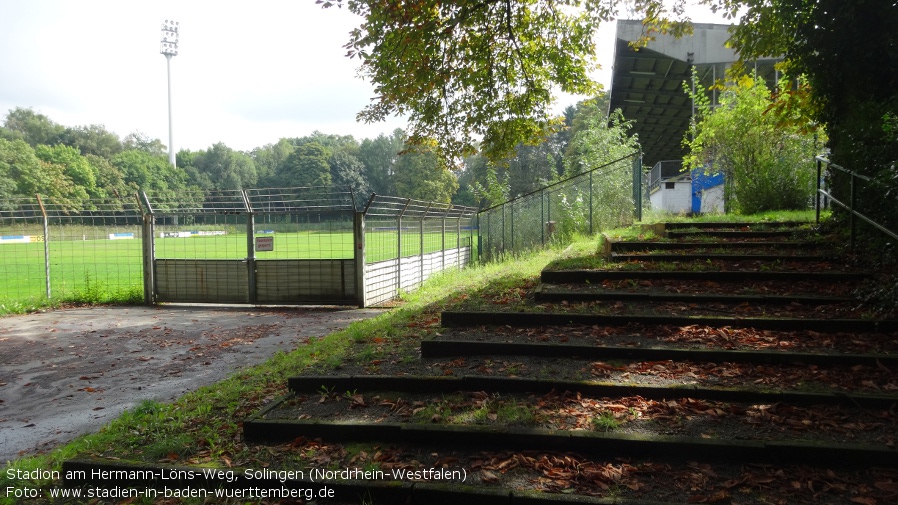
(263, 246)
(48, 250)
(605, 197)
(407, 241)
(274, 245)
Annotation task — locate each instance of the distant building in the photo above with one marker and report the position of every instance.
(647, 85)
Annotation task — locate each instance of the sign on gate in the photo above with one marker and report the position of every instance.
(264, 243)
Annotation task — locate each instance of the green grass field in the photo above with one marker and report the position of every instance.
(112, 270)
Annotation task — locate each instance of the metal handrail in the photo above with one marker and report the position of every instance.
(852, 197)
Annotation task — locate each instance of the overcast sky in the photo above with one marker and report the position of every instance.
(247, 73)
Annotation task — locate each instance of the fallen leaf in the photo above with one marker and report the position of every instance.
(889, 487)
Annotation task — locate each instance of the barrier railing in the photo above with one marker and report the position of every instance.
(851, 205)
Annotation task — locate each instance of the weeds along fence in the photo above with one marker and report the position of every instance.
(48, 251)
(259, 246)
(406, 241)
(605, 197)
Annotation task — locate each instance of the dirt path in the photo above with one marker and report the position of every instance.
(68, 372)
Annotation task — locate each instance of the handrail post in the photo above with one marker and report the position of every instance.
(817, 194)
(851, 221)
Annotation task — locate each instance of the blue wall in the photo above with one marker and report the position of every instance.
(701, 182)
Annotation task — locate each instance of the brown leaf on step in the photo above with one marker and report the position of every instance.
(357, 400)
(488, 476)
(889, 487)
(718, 497)
(714, 498)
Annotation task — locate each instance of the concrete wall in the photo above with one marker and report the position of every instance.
(707, 45)
(385, 279)
(712, 200)
(676, 201)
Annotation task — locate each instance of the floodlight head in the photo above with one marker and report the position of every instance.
(170, 35)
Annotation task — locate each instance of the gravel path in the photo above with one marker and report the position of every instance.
(67, 372)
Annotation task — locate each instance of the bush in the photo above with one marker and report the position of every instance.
(767, 159)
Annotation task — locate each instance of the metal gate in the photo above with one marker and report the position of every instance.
(265, 246)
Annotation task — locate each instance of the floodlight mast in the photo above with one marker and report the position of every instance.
(169, 47)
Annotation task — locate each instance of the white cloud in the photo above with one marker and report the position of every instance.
(246, 74)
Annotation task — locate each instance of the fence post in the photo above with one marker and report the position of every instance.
(408, 202)
(421, 251)
(443, 239)
(250, 248)
(149, 249)
(358, 231)
(542, 217)
(46, 221)
(470, 235)
(590, 203)
(489, 233)
(512, 226)
(503, 228)
(458, 241)
(399, 254)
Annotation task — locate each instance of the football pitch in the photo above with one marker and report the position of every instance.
(110, 269)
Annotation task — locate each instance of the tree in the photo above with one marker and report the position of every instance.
(32, 127)
(348, 172)
(494, 189)
(13, 154)
(479, 184)
(75, 167)
(93, 139)
(379, 157)
(307, 166)
(32, 175)
(847, 51)
(225, 168)
(111, 180)
(767, 164)
(598, 140)
(487, 68)
(141, 142)
(423, 175)
(269, 161)
(150, 173)
(474, 69)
